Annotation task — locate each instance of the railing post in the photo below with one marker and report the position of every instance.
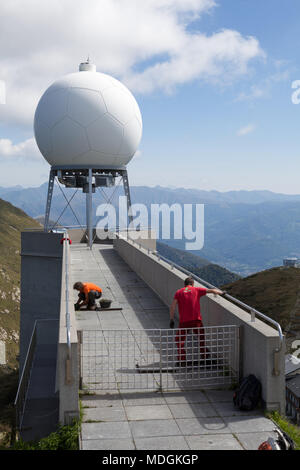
(276, 356)
(68, 372)
(240, 352)
(160, 362)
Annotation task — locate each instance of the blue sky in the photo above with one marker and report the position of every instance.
(229, 124)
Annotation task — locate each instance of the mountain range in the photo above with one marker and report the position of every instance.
(244, 231)
(211, 273)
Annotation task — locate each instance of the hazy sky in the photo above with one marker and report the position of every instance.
(213, 80)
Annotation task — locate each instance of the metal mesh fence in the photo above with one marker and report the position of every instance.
(163, 359)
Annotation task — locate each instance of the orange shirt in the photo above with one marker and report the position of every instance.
(88, 286)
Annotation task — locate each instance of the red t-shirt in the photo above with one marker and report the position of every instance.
(188, 299)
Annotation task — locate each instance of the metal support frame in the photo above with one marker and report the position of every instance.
(120, 171)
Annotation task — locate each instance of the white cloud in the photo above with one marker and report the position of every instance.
(47, 39)
(2, 92)
(24, 150)
(264, 89)
(220, 57)
(246, 130)
(255, 92)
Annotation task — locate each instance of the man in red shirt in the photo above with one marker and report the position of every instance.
(188, 301)
(88, 293)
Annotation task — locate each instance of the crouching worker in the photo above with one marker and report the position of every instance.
(88, 293)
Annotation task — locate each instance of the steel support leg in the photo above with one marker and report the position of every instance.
(127, 194)
(49, 199)
(89, 212)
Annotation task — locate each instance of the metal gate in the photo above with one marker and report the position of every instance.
(159, 359)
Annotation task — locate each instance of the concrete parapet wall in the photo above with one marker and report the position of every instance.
(259, 341)
(144, 237)
(67, 377)
(43, 297)
(41, 264)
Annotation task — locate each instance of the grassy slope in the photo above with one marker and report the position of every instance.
(12, 222)
(274, 292)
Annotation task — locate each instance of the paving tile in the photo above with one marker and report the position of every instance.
(154, 428)
(252, 440)
(151, 303)
(104, 414)
(192, 410)
(228, 409)
(111, 430)
(143, 398)
(108, 444)
(101, 400)
(240, 424)
(161, 443)
(220, 395)
(213, 442)
(148, 412)
(185, 397)
(191, 426)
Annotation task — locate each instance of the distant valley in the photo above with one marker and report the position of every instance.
(245, 231)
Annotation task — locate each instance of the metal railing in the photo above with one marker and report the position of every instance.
(160, 359)
(253, 312)
(241, 304)
(21, 395)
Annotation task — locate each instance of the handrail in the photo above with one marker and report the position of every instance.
(25, 376)
(241, 304)
(229, 297)
(22, 390)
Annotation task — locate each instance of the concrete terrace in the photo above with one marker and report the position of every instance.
(143, 419)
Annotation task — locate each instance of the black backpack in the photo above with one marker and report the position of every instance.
(248, 395)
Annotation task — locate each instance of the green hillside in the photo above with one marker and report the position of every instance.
(276, 293)
(12, 222)
(212, 273)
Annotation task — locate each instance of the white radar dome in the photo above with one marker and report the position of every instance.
(88, 118)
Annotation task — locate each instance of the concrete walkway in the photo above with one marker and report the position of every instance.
(136, 419)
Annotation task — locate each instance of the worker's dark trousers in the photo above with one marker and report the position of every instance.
(92, 296)
(181, 333)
